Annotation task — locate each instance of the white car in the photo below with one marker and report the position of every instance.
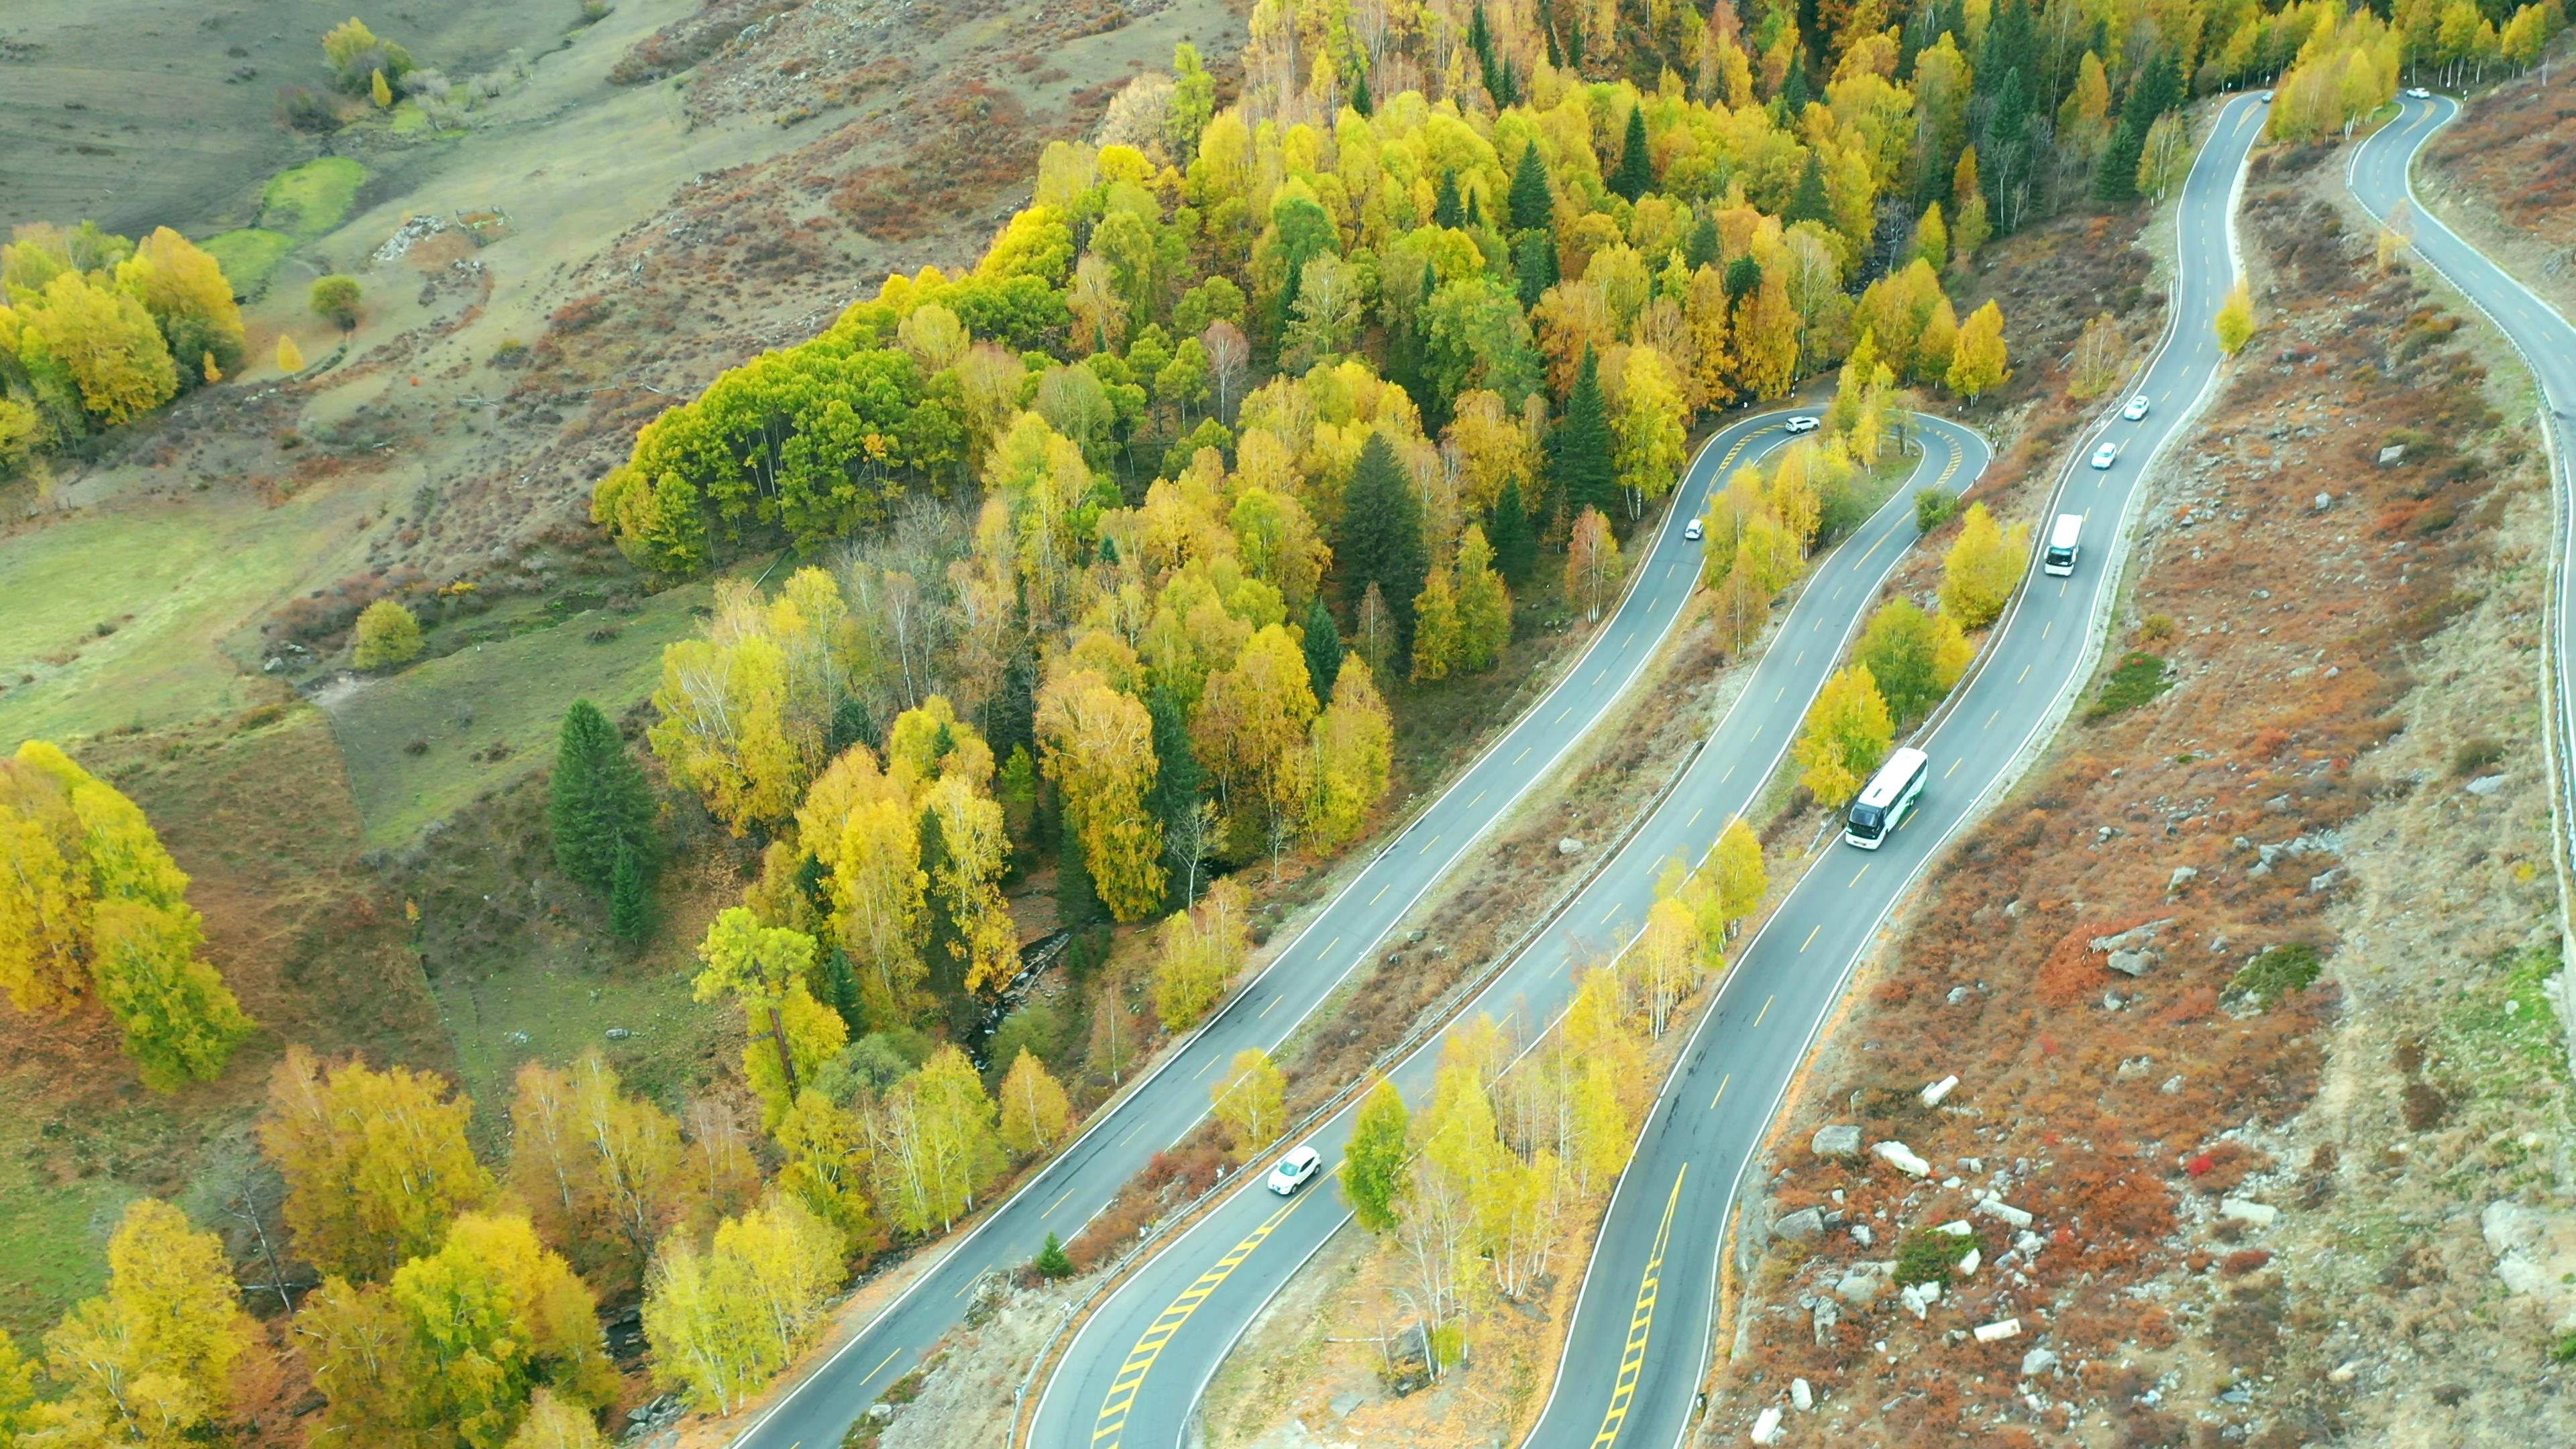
(1694, 531)
(1295, 1169)
(1803, 425)
(2419, 93)
(2136, 409)
(2105, 455)
(2267, 98)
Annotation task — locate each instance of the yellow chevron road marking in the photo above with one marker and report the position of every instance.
(1140, 1359)
(1641, 1324)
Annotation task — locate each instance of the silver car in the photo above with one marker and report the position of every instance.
(1295, 1169)
(2106, 455)
(2136, 409)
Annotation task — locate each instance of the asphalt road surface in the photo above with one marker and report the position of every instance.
(1638, 1347)
(1135, 1372)
(2378, 175)
(1087, 1175)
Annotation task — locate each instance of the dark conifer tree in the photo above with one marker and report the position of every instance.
(630, 897)
(1323, 649)
(1445, 210)
(1636, 174)
(1743, 278)
(1809, 202)
(1515, 541)
(597, 801)
(1533, 265)
(1704, 245)
(1381, 537)
(1579, 449)
(1077, 900)
(1533, 202)
(1180, 782)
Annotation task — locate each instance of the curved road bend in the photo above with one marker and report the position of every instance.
(2378, 176)
(1638, 1346)
(1134, 1374)
(1162, 1109)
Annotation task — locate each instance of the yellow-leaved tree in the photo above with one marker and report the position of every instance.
(721, 1322)
(765, 970)
(600, 1171)
(149, 1362)
(1353, 742)
(857, 824)
(1097, 744)
(1847, 733)
(92, 904)
(1978, 364)
(1035, 1113)
(1982, 567)
(2236, 320)
(937, 1144)
(388, 636)
(376, 1163)
(452, 1349)
(1251, 1102)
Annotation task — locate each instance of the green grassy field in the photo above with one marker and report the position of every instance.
(309, 200)
(510, 693)
(172, 580)
(57, 1206)
(248, 256)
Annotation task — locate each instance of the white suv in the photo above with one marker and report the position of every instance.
(1294, 1169)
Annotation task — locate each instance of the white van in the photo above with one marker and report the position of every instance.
(2060, 558)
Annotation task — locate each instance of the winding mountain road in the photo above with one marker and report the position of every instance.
(2379, 175)
(1167, 1104)
(1638, 1347)
(1135, 1372)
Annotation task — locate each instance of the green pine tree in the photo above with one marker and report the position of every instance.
(1579, 450)
(1053, 1261)
(1077, 900)
(630, 897)
(1180, 782)
(1446, 209)
(1381, 536)
(1360, 100)
(1810, 203)
(1323, 648)
(597, 802)
(1533, 203)
(1743, 278)
(841, 992)
(1636, 174)
(1795, 92)
(1515, 541)
(1533, 265)
(1704, 246)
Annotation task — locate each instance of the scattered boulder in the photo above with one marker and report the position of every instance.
(1995, 1207)
(2535, 1256)
(2133, 963)
(1825, 1315)
(1918, 1298)
(1801, 1395)
(1837, 1140)
(2324, 502)
(2392, 455)
(1862, 1235)
(2133, 939)
(1569, 846)
(1958, 1229)
(2252, 1214)
(1804, 1225)
(2486, 784)
(1934, 1092)
(2183, 875)
(1766, 1427)
(1862, 1282)
(619, 1033)
(1902, 1158)
(1968, 1264)
(1999, 1330)
(2038, 1361)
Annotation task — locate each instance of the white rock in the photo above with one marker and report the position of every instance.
(1801, 1395)
(1933, 1094)
(1959, 1229)
(2257, 1214)
(1902, 1158)
(2038, 1361)
(2486, 784)
(1837, 1140)
(1995, 1207)
(1968, 1264)
(1997, 1331)
(1918, 1298)
(1766, 1427)
(2324, 502)
(2183, 875)
(1862, 1235)
(1569, 846)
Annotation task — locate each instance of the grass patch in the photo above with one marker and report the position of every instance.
(2475, 755)
(2138, 679)
(307, 201)
(1930, 1255)
(2504, 1031)
(52, 1231)
(2276, 973)
(487, 714)
(248, 256)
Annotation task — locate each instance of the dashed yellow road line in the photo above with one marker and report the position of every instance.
(1811, 937)
(1721, 1092)
(1641, 1323)
(1112, 1424)
(1766, 1005)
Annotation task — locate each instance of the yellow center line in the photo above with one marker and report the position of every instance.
(2025, 674)
(1801, 659)
(1641, 1323)
(1695, 815)
(1606, 915)
(1954, 768)
(1140, 1359)
(1561, 714)
(1523, 755)
(1479, 796)
(1721, 1092)
(1990, 719)
(880, 1368)
(1757, 733)
(1811, 936)
(1856, 875)
(1265, 1011)
(1059, 1202)
(1381, 890)
(1202, 1071)
(1426, 845)
(1782, 694)
(1729, 775)
(2045, 626)
(1766, 1005)
(1604, 674)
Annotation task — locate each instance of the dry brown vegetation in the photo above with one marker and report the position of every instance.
(2294, 787)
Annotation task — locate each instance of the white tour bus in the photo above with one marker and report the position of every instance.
(2060, 558)
(1890, 796)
